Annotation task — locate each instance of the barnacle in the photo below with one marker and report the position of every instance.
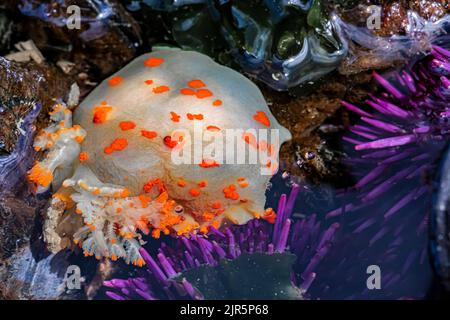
(117, 166)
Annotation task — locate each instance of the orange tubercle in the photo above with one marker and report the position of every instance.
(145, 200)
(153, 62)
(203, 93)
(243, 183)
(208, 163)
(202, 184)
(181, 183)
(117, 145)
(194, 192)
(196, 84)
(168, 142)
(127, 125)
(155, 183)
(83, 156)
(212, 128)
(115, 81)
(79, 139)
(156, 233)
(215, 224)
(230, 192)
(216, 205)
(250, 139)
(262, 118)
(101, 114)
(191, 116)
(217, 103)
(148, 82)
(187, 92)
(160, 89)
(40, 175)
(208, 216)
(174, 117)
(149, 134)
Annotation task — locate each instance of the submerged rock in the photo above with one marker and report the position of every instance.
(26, 89)
(248, 277)
(440, 222)
(106, 38)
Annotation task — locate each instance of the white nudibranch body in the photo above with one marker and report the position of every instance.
(115, 167)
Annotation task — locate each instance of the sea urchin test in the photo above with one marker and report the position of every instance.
(112, 169)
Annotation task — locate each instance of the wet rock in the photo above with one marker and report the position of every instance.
(16, 221)
(5, 31)
(24, 277)
(308, 118)
(257, 276)
(22, 86)
(440, 222)
(107, 37)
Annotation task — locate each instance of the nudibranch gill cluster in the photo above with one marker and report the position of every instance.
(112, 166)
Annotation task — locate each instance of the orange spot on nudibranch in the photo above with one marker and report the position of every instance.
(217, 103)
(115, 81)
(243, 184)
(174, 117)
(230, 192)
(208, 163)
(83, 156)
(191, 116)
(160, 89)
(127, 125)
(145, 200)
(208, 216)
(117, 145)
(262, 118)
(148, 82)
(153, 62)
(79, 139)
(181, 183)
(250, 139)
(101, 114)
(203, 93)
(156, 233)
(202, 184)
(155, 182)
(196, 84)
(216, 205)
(212, 128)
(40, 175)
(187, 92)
(194, 192)
(215, 224)
(168, 142)
(149, 134)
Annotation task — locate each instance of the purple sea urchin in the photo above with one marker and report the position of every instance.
(399, 140)
(392, 151)
(256, 237)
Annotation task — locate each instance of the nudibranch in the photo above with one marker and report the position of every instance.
(113, 168)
